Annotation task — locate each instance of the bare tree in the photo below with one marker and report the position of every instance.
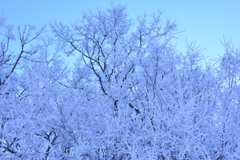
(130, 95)
(110, 48)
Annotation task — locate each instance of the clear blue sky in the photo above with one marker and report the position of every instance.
(205, 21)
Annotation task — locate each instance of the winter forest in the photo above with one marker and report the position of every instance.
(130, 94)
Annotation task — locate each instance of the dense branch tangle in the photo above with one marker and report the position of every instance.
(109, 47)
(131, 94)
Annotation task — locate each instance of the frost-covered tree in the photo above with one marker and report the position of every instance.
(12, 115)
(130, 95)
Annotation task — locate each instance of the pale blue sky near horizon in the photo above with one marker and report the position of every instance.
(204, 21)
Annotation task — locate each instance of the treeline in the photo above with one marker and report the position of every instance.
(129, 95)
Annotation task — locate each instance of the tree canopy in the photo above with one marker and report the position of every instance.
(130, 94)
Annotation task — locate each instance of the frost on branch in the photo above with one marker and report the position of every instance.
(130, 94)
